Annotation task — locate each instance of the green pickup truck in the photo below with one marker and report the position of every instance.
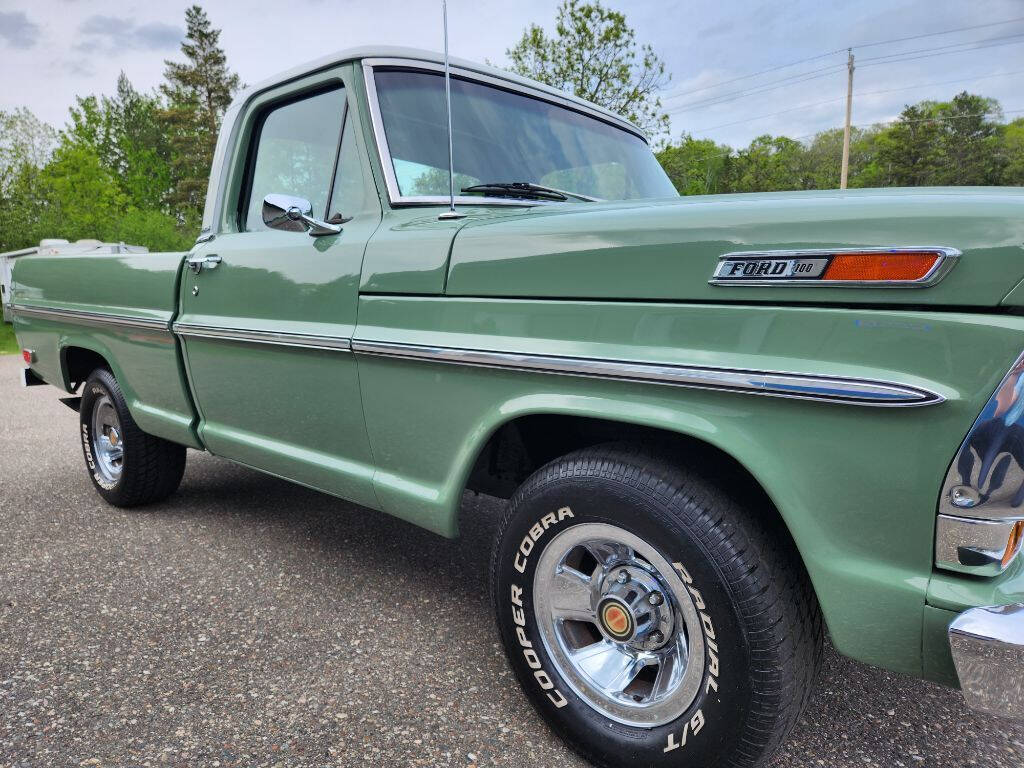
(724, 424)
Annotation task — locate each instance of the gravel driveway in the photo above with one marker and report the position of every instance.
(250, 622)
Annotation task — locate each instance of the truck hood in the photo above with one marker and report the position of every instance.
(667, 250)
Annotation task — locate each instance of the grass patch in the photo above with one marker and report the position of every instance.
(8, 344)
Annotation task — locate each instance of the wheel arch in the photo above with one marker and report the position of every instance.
(525, 435)
(79, 359)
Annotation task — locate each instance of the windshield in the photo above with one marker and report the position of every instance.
(504, 137)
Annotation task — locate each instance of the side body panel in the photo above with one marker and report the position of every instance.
(856, 485)
(668, 250)
(266, 332)
(121, 308)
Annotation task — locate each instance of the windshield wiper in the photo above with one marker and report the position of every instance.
(528, 190)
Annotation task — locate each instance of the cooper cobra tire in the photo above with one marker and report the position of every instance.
(128, 467)
(734, 596)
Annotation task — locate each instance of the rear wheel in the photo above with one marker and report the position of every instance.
(128, 467)
(649, 618)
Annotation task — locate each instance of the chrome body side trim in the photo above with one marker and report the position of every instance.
(947, 260)
(91, 318)
(988, 650)
(771, 383)
(978, 547)
(384, 154)
(273, 338)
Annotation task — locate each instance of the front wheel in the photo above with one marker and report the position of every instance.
(128, 467)
(649, 618)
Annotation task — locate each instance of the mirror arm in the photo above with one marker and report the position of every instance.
(290, 213)
(315, 227)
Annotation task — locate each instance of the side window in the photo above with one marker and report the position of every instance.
(295, 152)
(349, 195)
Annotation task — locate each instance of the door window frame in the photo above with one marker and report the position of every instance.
(260, 116)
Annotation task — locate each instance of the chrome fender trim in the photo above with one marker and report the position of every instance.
(274, 338)
(90, 318)
(771, 383)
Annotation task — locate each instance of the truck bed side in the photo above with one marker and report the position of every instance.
(71, 310)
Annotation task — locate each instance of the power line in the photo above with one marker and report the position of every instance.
(865, 93)
(945, 47)
(943, 53)
(840, 50)
(796, 79)
(774, 85)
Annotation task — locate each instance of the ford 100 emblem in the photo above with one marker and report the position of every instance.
(745, 269)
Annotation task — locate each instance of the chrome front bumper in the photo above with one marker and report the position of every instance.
(988, 650)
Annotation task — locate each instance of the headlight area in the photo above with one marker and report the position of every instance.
(981, 508)
(979, 531)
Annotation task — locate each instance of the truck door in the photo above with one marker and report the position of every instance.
(267, 314)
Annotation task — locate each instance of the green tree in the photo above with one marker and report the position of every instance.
(82, 198)
(696, 166)
(26, 145)
(1013, 146)
(594, 54)
(770, 163)
(127, 133)
(970, 140)
(198, 91)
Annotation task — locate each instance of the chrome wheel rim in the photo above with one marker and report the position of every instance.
(107, 440)
(619, 624)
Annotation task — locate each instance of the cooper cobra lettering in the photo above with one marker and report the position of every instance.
(519, 614)
(536, 531)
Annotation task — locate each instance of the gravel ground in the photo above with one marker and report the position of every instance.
(250, 622)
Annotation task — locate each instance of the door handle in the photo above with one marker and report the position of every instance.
(196, 263)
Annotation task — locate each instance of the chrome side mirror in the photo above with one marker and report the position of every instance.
(294, 214)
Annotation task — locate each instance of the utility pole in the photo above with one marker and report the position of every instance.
(849, 111)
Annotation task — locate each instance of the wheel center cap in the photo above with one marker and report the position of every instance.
(616, 619)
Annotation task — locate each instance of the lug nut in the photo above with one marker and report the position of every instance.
(655, 598)
(622, 578)
(656, 637)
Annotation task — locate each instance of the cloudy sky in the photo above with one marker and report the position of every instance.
(51, 50)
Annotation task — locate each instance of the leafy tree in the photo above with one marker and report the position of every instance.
(127, 133)
(154, 229)
(1013, 144)
(26, 144)
(970, 138)
(594, 54)
(696, 166)
(768, 164)
(25, 140)
(82, 197)
(198, 91)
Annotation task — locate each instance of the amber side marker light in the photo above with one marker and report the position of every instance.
(873, 267)
(1013, 543)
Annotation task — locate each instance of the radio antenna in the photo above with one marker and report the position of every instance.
(451, 213)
